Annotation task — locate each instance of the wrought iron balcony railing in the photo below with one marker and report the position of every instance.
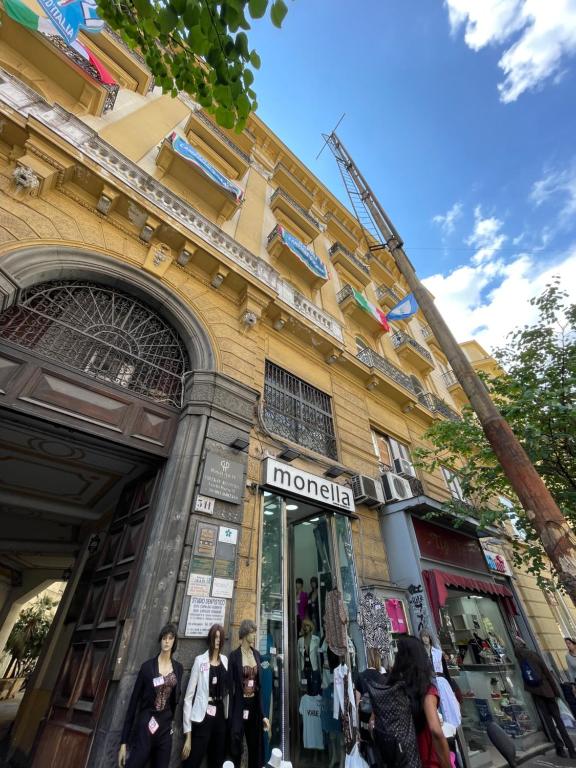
(281, 193)
(374, 360)
(344, 293)
(354, 259)
(400, 338)
(436, 405)
(449, 378)
(60, 44)
(427, 332)
(382, 292)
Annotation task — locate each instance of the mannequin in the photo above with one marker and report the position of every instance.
(448, 702)
(205, 719)
(151, 708)
(313, 605)
(309, 658)
(301, 604)
(245, 716)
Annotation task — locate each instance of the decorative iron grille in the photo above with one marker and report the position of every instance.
(102, 332)
(298, 412)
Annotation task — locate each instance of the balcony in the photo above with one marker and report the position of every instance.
(56, 70)
(395, 382)
(216, 146)
(387, 297)
(293, 216)
(436, 405)
(196, 175)
(414, 353)
(429, 337)
(297, 257)
(285, 179)
(450, 381)
(340, 232)
(127, 59)
(351, 308)
(344, 258)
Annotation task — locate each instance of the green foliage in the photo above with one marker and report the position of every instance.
(537, 396)
(27, 636)
(197, 46)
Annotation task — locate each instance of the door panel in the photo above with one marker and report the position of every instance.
(99, 607)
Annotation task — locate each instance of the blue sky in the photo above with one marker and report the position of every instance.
(462, 116)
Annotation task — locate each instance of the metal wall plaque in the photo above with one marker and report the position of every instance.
(223, 478)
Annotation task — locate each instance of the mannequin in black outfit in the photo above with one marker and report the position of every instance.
(151, 708)
(246, 718)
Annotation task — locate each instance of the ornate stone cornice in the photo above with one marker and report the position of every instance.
(85, 143)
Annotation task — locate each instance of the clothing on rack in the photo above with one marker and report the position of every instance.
(448, 702)
(335, 621)
(311, 711)
(374, 623)
(343, 689)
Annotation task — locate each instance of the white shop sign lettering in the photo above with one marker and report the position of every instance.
(296, 482)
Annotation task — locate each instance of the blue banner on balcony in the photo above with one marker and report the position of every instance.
(71, 16)
(310, 259)
(188, 152)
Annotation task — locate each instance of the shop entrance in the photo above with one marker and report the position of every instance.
(307, 571)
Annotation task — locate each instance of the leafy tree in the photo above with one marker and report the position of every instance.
(536, 393)
(27, 636)
(197, 46)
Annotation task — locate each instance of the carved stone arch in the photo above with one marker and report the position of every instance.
(28, 265)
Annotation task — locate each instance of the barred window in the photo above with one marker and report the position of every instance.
(298, 412)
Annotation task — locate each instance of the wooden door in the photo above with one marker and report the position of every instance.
(99, 607)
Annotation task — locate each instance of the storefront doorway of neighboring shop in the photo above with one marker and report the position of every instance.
(307, 565)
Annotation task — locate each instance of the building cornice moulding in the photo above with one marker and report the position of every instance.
(84, 143)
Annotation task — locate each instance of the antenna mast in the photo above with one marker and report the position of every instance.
(556, 536)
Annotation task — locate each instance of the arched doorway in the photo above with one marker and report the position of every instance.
(92, 378)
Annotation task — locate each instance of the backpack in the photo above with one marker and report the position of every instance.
(529, 674)
(394, 732)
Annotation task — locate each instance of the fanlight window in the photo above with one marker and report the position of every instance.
(102, 332)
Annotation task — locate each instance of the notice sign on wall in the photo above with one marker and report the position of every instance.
(202, 613)
(223, 479)
(199, 585)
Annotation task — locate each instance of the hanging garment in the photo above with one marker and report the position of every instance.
(448, 701)
(311, 711)
(395, 610)
(335, 620)
(374, 623)
(348, 714)
(343, 689)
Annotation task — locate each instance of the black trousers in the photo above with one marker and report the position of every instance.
(253, 733)
(152, 748)
(550, 713)
(209, 738)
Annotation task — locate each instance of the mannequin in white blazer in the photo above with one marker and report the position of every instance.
(206, 705)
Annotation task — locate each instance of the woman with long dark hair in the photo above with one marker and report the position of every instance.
(412, 667)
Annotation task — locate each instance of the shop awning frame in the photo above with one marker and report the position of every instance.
(438, 582)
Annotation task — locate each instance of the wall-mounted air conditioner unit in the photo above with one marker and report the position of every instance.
(396, 488)
(404, 467)
(366, 490)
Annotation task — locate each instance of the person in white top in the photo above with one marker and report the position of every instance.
(206, 705)
(448, 701)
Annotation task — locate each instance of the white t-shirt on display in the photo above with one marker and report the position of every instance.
(311, 709)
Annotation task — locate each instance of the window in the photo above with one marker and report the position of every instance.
(361, 344)
(453, 483)
(387, 449)
(298, 412)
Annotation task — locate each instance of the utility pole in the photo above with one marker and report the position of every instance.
(557, 537)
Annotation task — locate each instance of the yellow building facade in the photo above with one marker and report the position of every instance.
(200, 406)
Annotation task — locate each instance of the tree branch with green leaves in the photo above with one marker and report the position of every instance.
(199, 47)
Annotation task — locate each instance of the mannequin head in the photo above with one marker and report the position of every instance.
(307, 627)
(168, 638)
(215, 640)
(426, 639)
(247, 632)
(299, 586)
(313, 584)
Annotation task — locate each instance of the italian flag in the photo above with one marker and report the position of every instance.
(367, 306)
(25, 16)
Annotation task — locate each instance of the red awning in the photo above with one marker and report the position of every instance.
(437, 584)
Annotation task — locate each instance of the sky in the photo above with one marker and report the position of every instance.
(461, 115)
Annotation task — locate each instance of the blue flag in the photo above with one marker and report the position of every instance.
(404, 309)
(70, 16)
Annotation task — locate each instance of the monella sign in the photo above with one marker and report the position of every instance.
(295, 482)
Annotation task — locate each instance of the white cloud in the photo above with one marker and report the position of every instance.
(557, 185)
(447, 221)
(486, 236)
(540, 36)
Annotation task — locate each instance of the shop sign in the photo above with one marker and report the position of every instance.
(203, 612)
(497, 562)
(222, 478)
(448, 546)
(295, 482)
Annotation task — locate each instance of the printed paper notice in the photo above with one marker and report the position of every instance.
(228, 535)
(202, 613)
(199, 585)
(223, 588)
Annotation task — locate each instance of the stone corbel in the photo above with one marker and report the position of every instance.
(252, 306)
(25, 180)
(333, 355)
(148, 228)
(186, 253)
(158, 259)
(219, 275)
(372, 383)
(108, 200)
